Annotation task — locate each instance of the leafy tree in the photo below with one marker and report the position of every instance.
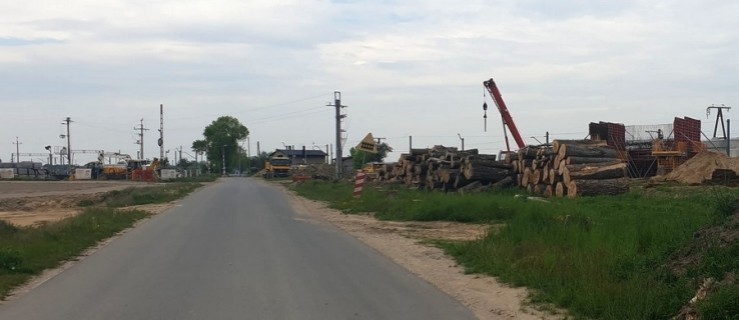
(359, 157)
(222, 135)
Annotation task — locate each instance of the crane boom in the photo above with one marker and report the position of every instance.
(504, 113)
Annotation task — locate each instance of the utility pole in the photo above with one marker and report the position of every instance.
(17, 150)
(461, 139)
(410, 144)
(141, 129)
(223, 158)
(160, 142)
(180, 155)
(69, 147)
(719, 119)
(339, 116)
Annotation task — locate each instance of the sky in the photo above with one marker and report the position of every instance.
(403, 67)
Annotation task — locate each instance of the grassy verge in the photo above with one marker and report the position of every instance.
(599, 257)
(25, 252)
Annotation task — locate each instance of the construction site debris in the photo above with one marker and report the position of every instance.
(700, 169)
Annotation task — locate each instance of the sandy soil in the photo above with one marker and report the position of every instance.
(406, 244)
(28, 203)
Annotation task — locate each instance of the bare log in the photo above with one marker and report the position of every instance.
(552, 176)
(574, 150)
(578, 188)
(559, 142)
(581, 160)
(535, 176)
(560, 190)
(548, 191)
(505, 183)
(593, 171)
(487, 163)
(539, 189)
(469, 187)
(485, 174)
(525, 178)
(527, 153)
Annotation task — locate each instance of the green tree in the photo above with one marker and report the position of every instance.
(359, 157)
(222, 135)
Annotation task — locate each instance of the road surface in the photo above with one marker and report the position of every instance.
(235, 250)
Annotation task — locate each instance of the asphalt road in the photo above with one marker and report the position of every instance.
(235, 250)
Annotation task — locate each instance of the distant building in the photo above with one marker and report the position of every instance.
(301, 156)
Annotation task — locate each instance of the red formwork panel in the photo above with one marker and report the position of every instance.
(613, 133)
(688, 131)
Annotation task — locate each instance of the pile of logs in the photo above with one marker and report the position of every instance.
(449, 169)
(572, 168)
(566, 168)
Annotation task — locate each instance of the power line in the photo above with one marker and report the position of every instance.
(263, 107)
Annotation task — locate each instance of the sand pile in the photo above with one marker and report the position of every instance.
(701, 167)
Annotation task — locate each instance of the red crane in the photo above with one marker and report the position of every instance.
(504, 113)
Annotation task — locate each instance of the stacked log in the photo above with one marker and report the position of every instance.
(571, 168)
(449, 169)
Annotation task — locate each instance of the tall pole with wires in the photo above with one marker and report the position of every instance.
(339, 116)
(69, 147)
(17, 150)
(141, 129)
(160, 142)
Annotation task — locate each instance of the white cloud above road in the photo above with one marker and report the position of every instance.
(404, 67)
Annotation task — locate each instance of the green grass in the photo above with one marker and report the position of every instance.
(146, 195)
(26, 252)
(599, 257)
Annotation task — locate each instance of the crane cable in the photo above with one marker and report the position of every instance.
(485, 111)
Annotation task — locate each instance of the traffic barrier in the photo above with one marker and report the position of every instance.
(359, 184)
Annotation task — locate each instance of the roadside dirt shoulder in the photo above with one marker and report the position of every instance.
(402, 242)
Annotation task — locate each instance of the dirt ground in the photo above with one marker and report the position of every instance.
(28, 203)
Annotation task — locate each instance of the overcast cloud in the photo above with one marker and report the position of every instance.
(404, 68)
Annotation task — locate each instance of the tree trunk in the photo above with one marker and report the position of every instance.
(594, 171)
(581, 160)
(469, 187)
(535, 176)
(526, 177)
(485, 174)
(560, 190)
(488, 163)
(552, 176)
(505, 183)
(556, 144)
(447, 175)
(574, 150)
(578, 188)
(527, 153)
(548, 191)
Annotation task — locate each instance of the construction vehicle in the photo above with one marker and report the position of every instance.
(505, 116)
(371, 170)
(124, 169)
(278, 165)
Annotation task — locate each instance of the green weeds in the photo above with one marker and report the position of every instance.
(599, 257)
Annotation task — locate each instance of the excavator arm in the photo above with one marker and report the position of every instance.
(504, 113)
